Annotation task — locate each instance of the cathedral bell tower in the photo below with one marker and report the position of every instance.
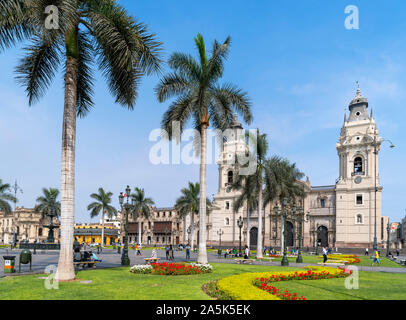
(358, 175)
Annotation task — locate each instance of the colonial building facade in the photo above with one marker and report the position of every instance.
(163, 227)
(26, 225)
(340, 215)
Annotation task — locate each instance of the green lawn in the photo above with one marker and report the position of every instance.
(372, 286)
(119, 283)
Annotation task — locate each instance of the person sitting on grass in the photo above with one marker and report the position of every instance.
(376, 258)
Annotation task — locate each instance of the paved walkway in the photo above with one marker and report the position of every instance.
(112, 259)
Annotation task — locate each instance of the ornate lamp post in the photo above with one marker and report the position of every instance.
(283, 213)
(220, 233)
(240, 224)
(125, 260)
(375, 144)
(299, 258)
(388, 240)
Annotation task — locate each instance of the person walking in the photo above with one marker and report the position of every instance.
(188, 252)
(376, 258)
(246, 252)
(324, 254)
(171, 253)
(167, 252)
(366, 251)
(226, 253)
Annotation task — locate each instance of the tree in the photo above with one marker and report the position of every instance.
(248, 187)
(141, 208)
(77, 33)
(188, 204)
(281, 179)
(102, 204)
(201, 98)
(47, 202)
(5, 198)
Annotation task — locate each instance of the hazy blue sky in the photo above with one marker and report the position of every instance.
(296, 60)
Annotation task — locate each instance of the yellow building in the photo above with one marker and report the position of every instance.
(92, 233)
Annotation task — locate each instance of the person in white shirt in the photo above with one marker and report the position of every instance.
(324, 255)
(246, 252)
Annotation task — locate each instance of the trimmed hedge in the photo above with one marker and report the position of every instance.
(241, 287)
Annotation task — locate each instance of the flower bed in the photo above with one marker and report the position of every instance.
(263, 283)
(345, 258)
(242, 287)
(172, 268)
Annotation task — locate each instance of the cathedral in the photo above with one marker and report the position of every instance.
(340, 215)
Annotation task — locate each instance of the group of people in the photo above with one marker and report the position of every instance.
(236, 253)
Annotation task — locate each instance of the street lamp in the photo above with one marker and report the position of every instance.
(376, 156)
(240, 224)
(125, 260)
(299, 258)
(220, 233)
(388, 240)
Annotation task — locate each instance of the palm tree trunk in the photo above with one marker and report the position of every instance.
(139, 230)
(184, 227)
(248, 228)
(192, 222)
(102, 238)
(259, 245)
(65, 264)
(202, 257)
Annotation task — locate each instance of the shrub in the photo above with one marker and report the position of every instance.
(141, 269)
(242, 287)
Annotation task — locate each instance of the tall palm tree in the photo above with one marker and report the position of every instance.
(188, 204)
(102, 204)
(248, 188)
(201, 98)
(260, 142)
(141, 209)
(6, 197)
(81, 33)
(281, 179)
(47, 202)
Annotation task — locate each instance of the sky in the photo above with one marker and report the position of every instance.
(296, 60)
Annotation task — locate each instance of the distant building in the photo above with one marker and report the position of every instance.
(92, 233)
(26, 224)
(163, 227)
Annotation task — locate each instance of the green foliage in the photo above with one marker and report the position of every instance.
(88, 30)
(102, 204)
(6, 197)
(47, 202)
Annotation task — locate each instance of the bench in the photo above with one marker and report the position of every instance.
(84, 263)
(243, 261)
(149, 260)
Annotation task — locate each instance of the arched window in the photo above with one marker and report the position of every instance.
(230, 177)
(359, 219)
(358, 166)
(227, 221)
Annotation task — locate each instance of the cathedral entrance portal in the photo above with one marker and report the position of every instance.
(322, 236)
(253, 237)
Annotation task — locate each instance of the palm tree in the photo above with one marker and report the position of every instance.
(82, 33)
(5, 198)
(47, 202)
(261, 147)
(141, 208)
(248, 187)
(201, 98)
(49, 207)
(102, 203)
(188, 204)
(281, 179)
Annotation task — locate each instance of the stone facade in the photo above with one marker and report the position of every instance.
(27, 225)
(340, 215)
(164, 226)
